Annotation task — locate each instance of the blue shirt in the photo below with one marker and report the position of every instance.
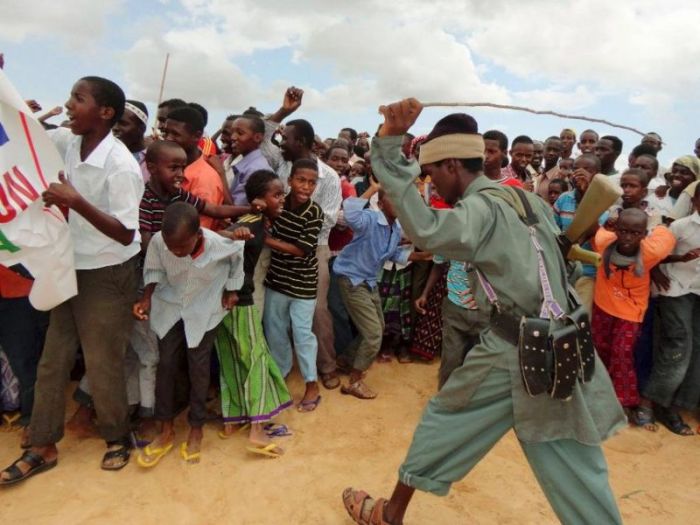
(242, 171)
(374, 243)
(564, 211)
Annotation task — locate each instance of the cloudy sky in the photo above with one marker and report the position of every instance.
(632, 62)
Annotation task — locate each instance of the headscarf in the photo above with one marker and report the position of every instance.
(693, 164)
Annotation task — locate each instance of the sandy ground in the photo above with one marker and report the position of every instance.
(346, 442)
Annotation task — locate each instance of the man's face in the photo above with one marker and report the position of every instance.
(178, 132)
(587, 142)
(338, 160)
(537, 155)
(244, 139)
(653, 140)
(567, 141)
(445, 177)
(129, 129)
(647, 165)
(552, 150)
(681, 177)
(290, 144)
(492, 155)
(161, 116)
(521, 155)
(345, 134)
(605, 152)
(227, 137)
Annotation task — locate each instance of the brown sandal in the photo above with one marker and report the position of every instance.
(330, 381)
(358, 389)
(355, 502)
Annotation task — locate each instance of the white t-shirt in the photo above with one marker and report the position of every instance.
(684, 276)
(109, 179)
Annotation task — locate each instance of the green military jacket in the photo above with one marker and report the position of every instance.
(488, 233)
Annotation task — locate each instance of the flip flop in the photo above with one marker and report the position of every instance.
(268, 450)
(10, 420)
(190, 458)
(37, 464)
(309, 406)
(224, 435)
(155, 454)
(273, 430)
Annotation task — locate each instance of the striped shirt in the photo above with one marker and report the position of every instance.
(191, 289)
(288, 274)
(152, 208)
(564, 211)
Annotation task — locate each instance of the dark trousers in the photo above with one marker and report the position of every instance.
(99, 320)
(173, 353)
(675, 360)
(22, 334)
(460, 332)
(343, 329)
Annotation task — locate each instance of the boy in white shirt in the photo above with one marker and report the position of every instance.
(101, 190)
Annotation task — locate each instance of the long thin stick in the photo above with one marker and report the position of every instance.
(162, 80)
(529, 110)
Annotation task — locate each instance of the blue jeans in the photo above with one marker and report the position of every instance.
(281, 311)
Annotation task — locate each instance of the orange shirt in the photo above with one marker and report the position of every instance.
(203, 181)
(624, 295)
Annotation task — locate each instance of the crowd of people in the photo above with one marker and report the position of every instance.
(206, 264)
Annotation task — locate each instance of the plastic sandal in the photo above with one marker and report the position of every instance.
(151, 456)
(268, 450)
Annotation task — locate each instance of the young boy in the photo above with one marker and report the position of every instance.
(377, 237)
(185, 126)
(675, 375)
(186, 268)
(634, 183)
(566, 168)
(555, 189)
(101, 189)
(247, 135)
(292, 279)
(622, 295)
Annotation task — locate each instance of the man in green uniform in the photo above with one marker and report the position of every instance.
(523, 275)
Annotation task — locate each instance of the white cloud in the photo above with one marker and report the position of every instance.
(77, 22)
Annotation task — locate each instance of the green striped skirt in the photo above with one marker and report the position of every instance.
(252, 387)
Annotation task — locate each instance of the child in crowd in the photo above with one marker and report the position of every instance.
(377, 237)
(555, 189)
(166, 161)
(185, 125)
(462, 320)
(634, 183)
(101, 187)
(186, 267)
(252, 388)
(566, 168)
(675, 377)
(292, 279)
(622, 293)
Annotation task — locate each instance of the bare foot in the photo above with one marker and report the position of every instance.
(81, 423)
(259, 438)
(194, 440)
(25, 440)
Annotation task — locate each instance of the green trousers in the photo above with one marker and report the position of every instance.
(448, 443)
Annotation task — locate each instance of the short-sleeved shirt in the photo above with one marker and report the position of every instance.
(564, 211)
(152, 208)
(288, 274)
(684, 276)
(242, 170)
(203, 181)
(110, 180)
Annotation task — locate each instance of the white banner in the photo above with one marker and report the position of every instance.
(31, 234)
